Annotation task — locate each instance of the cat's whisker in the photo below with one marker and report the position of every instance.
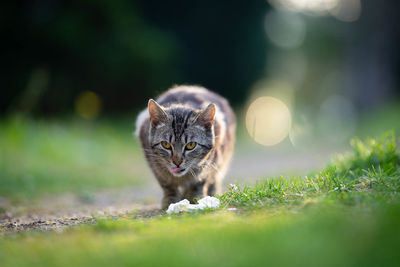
(192, 173)
(212, 165)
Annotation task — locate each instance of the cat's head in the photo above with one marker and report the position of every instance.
(180, 137)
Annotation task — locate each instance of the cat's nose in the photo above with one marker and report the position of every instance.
(177, 161)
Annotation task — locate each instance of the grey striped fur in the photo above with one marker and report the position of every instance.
(181, 115)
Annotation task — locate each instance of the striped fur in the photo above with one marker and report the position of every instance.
(181, 115)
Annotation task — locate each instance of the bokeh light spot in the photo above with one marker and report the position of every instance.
(317, 7)
(285, 29)
(88, 105)
(347, 11)
(344, 10)
(268, 120)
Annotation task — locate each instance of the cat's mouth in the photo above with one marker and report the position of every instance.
(177, 170)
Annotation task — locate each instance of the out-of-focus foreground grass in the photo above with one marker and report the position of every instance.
(323, 234)
(346, 215)
(48, 157)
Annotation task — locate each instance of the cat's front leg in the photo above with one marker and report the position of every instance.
(171, 195)
(196, 191)
(214, 187)
(211, 189)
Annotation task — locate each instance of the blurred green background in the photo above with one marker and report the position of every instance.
(128, 51)
(75, 73)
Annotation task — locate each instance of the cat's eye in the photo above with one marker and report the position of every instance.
(166, 145)
(190, 145)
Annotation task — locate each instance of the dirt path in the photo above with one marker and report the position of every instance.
(57, 212)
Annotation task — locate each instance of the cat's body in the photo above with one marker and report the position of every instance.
(187, 137)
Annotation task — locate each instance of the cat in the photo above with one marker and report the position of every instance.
(187, 135)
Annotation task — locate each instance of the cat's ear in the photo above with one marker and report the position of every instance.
(157, 113)
(206, 117)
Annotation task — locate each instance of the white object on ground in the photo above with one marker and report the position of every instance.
(209, 202)
(184, 205)
(178, 206)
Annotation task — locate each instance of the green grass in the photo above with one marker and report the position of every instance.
(373, 164)
(346, 215)
(50, 157)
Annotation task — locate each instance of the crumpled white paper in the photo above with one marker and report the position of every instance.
(184, 205)
(209, 202)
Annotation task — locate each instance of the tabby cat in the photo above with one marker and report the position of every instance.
(187, 136)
